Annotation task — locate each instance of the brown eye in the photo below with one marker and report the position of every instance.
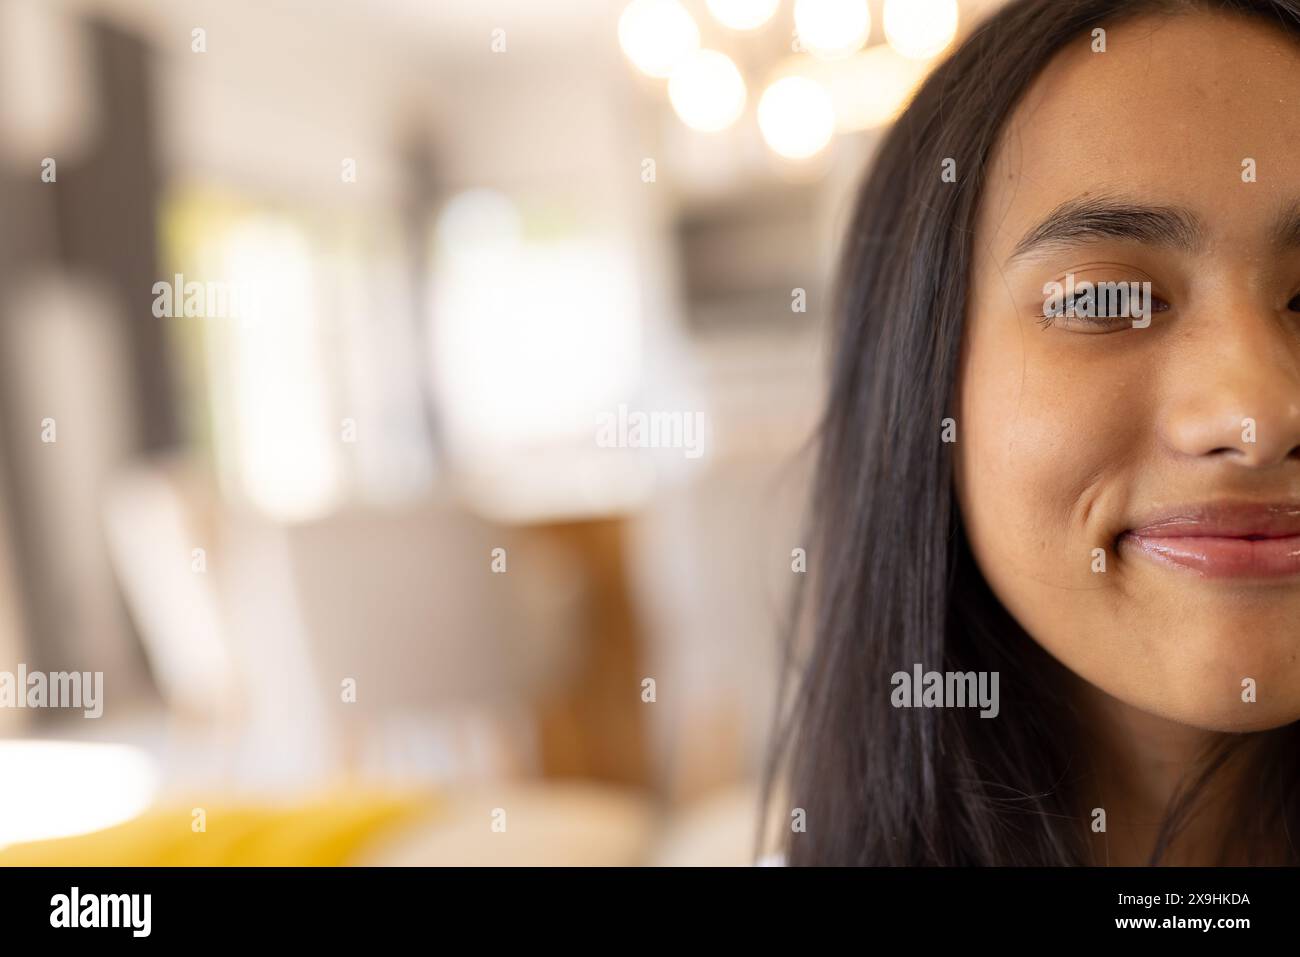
(1294, 304)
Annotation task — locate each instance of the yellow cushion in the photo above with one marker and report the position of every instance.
(325, 832)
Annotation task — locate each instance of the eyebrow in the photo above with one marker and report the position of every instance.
(1087, 219)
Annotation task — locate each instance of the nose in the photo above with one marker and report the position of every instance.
(1239, 397)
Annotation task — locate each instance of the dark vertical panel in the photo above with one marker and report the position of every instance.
(98, 222)
(108, 221)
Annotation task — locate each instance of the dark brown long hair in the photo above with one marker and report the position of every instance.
(892, 578)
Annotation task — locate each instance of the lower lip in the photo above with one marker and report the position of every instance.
(1215, 557)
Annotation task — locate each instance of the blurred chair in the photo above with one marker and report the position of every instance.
(155, 517)
(374, 641)
(405, 604)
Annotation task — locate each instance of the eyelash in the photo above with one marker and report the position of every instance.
(1157, 305)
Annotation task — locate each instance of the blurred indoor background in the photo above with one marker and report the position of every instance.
(343, 522)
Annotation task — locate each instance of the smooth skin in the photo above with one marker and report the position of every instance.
(1071, 434)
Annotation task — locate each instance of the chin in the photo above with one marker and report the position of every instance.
(1212, 704)
(1243, 720)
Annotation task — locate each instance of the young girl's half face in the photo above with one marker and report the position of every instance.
(1129, 468)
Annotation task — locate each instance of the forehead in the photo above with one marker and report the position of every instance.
(1167, 114)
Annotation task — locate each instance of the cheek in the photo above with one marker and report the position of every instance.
(1040, 444)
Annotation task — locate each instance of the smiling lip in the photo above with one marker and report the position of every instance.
(1225, 541)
